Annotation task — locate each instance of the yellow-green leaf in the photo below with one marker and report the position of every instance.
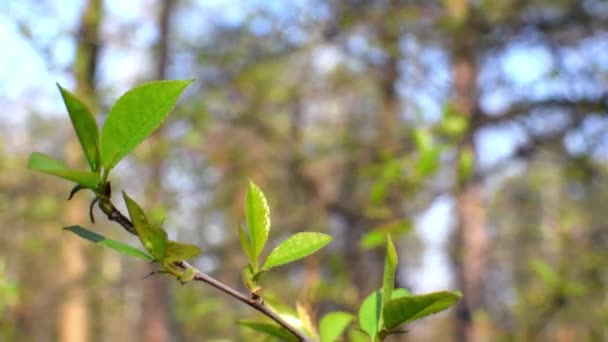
(258, 218)
(369, 314)
(333, 324)
(246, 244)
(180, 251)
(390, 267)
(296, 247)
(152, 237)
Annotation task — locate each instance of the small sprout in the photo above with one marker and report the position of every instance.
(186, 276)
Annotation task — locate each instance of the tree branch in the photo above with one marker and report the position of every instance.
(254, 301)
(585, 105)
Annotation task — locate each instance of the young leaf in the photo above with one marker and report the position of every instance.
(85, 127)
(400, 292)
(42, 162)
(333, 324)
(269, 329)
(246, 244)
(136, 115)
(186, 276)
(369, 314)
(258, 218)
(113, 244)
(296, 247)
(152, 237)
(390, 266)
(180, 251)
(406, 309)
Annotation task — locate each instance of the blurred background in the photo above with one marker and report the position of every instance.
(474, 132)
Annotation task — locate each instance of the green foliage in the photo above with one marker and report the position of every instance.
(390, 267)
(246, 244)
(406, 309)
(333, 324)
(296, 247)
(369, 314)
(385, 309)
(292, 249)
(545, 271)
(466, 163)
(428, 153)
(269, 329)
(454, 123)
(180, 251)
(85, 127)
(377, 236)
(135, 116)
(113, 244)
(42, 162)
(258, 220)
(152, 237)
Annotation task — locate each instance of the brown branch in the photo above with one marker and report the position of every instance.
(254, 301)
(598, 104)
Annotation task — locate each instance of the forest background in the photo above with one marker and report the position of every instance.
(474, 132)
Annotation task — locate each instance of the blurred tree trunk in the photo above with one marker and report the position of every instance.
(470, 250)
(156, 318)
(73, 319)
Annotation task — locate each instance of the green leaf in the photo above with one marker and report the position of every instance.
(398, 293)
(135, 116)
(85, 127)
(333, 324)
(545, 271)
(258, 218)
(406, 309)
(296, 247)
(42, 162)
(246, 244)
(181, 251)
(428, 161)
(423, 139)
(187, 275)
(152, 237)
(390, 267)
(113, 244)
(369, 314)
(466, 163)
(269, 329)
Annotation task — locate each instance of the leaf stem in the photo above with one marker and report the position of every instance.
(253, 301)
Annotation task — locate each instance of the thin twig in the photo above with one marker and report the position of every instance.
(255, 302)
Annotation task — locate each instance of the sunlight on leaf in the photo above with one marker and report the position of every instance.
(296, 247)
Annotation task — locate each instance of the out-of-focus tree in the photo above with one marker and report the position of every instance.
(356, 115)
(552, 249)
(74, 318)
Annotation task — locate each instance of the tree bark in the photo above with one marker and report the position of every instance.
(156, 319)
(471, 244)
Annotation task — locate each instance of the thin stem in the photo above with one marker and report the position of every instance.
(255, 302)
